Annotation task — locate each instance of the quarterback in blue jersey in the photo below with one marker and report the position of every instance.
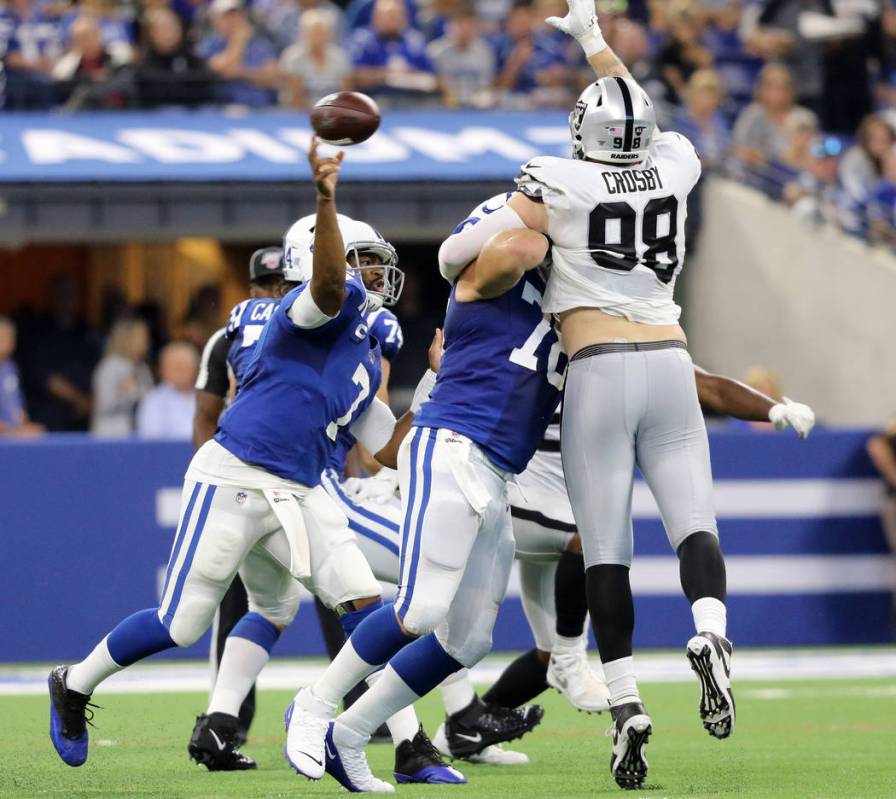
(252, 500)
(501, 368)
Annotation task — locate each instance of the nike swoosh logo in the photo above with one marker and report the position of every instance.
(220, 743)
(477, 738)
(311, 758)
(330, 753)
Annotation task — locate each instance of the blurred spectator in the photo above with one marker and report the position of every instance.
(13, 417)
(244, 62)
(203, 316)
(116, 33)
(685, 52)
(281, 18)
(57, 354)
(532, 67)
(862, 166)
(701, 119)
(85, 74)
(167, 410)
(121, 379)
(882, 451)
(315, 66)
(760, 132)
(390, 57)
(800, 130)
(816, 195)
(168, 72)
(31, 52)
(464, 62)
(736, 67)
(359, 14)
(880, 204)
(827, 45)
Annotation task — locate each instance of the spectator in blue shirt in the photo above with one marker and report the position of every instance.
(244, 62)
(532, 67)
(13, 418)
(35, 43)
(701, 120)
(117, 33)
(390, 59)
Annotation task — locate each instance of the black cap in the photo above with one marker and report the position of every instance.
(266, 262)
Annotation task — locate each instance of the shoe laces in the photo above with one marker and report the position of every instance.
(424, 747)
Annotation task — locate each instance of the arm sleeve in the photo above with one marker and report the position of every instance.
(304, 312)
(213, 375)
(468, 239)
(375, 426)
(301, 310)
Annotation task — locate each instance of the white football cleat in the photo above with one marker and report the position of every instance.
(307, 719)
(494, 755)
(347, 763)
(569, 673)
(710, 658)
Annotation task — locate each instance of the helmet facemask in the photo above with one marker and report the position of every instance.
(390, 280)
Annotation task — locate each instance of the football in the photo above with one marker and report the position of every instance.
(345, 118)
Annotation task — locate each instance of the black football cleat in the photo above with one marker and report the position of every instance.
(419, 761)
(631, 729)
(70, 713)
(480, 724)
(214, 743)
(710, 658)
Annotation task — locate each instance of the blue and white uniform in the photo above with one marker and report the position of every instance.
(252, 500)
(497, 390)
(371, 504)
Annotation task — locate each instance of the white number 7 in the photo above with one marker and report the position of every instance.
(362, 380)
(525, 356)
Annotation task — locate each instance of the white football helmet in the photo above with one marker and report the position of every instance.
(613, 122)
(359, 239)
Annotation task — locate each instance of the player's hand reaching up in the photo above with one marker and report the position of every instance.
(324, 171)
(581, 24)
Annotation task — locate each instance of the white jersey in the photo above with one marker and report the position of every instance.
(617, 231)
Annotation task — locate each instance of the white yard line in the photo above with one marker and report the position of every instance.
(760, 665)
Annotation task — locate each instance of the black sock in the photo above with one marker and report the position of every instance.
(330, 628)
(569, 595)
(520, 682)
(701, 567)
(612, 610)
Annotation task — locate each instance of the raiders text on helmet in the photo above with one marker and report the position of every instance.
(613, 122)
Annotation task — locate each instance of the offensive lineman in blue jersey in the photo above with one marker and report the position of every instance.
(496, 391)
(252, 499)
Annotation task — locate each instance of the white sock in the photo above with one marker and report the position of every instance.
(457, 691)
(710, 616)
(85, 676)
(402, 725)
(240, 666)
(384, 700)
(567, 646)
(344, 673)
(620, 679)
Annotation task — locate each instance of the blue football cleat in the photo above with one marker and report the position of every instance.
(68, 719)
(419, 761)
(347, 763)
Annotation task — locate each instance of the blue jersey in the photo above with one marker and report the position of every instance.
(243, 331)
(385, 330)
(501, 374)
(300, 387)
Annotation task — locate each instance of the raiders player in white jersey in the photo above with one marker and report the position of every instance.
(615, 214)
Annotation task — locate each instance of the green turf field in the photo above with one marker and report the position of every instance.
(811, 740)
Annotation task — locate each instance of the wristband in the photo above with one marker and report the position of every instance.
(423, 390)
(593, 42)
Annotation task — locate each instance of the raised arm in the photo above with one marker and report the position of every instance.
(729, 397)
(581, 23)
(328, 277)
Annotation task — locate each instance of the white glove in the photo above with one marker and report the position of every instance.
(788, 413)
(378, 489)
(581, 24)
